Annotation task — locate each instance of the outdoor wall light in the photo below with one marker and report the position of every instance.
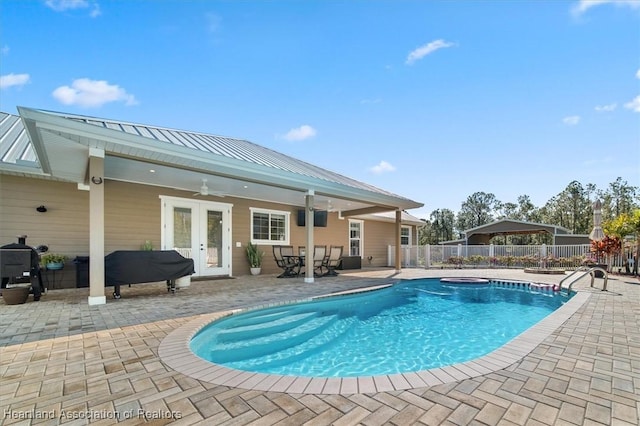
(41, 209)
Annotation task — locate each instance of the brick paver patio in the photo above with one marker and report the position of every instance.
(64, 362)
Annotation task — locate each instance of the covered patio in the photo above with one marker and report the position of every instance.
(90, 152)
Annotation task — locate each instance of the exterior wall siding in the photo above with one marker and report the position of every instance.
(133, 216)
(64, 228)
(377, 237)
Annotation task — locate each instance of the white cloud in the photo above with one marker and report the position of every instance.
(634, 105)
(638, 74)
(63, 5)
(583, 5)
(571, 120)
(382, 167)
(11, 80)
(606, 108)
(427, 49)
(300, 133)
(92, 93)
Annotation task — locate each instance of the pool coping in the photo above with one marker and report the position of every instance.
(175, 352)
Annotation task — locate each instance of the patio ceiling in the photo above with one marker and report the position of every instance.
(181, 160)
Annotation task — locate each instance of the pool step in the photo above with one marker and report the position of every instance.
(259, 316)
(260, 346)
(255, 329)
(322, 341)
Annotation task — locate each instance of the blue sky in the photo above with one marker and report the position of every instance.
(432, 100)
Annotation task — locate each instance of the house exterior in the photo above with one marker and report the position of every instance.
(110, 185)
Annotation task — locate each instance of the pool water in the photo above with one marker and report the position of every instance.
(411, 326)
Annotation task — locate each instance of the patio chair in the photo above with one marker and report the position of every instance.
(302, 252)
(319, 254)
(332, 261)
(286, 260)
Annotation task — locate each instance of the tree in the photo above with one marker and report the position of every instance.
(508, 211)
(623, 225)
(477, 210)
(619, 198)
(635, 224)
(439, 228)
(571, 208)
(425, 234)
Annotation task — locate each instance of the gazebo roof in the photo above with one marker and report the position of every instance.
(512, 227)
(507, 227)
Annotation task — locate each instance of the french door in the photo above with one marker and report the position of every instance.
(200, 230)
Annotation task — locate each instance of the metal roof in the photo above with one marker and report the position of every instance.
(512, 226)
(238, 149)
(14, 141)
(58, 143)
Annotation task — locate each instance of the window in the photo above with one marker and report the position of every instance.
(269, 226)
(405, 236)
(355, 237)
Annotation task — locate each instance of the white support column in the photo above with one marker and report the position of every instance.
(96, 227)
(398, 253)
(308, 211)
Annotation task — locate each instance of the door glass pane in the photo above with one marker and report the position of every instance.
(182, 231)
(214, 239)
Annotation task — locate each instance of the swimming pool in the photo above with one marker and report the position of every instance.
(411, 326)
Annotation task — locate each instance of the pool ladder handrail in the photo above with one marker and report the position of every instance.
(586, 270)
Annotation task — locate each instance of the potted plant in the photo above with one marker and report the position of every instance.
(15, 294)
(53, 261)
(255, 258)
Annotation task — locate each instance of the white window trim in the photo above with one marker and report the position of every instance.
(361, 222)
(287, 219)
(409, 235)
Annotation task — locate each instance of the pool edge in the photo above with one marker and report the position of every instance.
(174, 351)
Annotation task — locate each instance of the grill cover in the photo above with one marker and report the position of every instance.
(138, 266)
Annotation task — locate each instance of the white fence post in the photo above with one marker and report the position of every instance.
(427, 256)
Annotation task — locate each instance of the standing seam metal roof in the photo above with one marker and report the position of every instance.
(238, 149)
(15, 145)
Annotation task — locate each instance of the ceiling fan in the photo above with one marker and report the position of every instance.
(204, 190)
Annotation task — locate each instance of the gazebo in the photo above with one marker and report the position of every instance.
(482, 235)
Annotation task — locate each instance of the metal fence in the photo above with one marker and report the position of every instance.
(505, 256)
